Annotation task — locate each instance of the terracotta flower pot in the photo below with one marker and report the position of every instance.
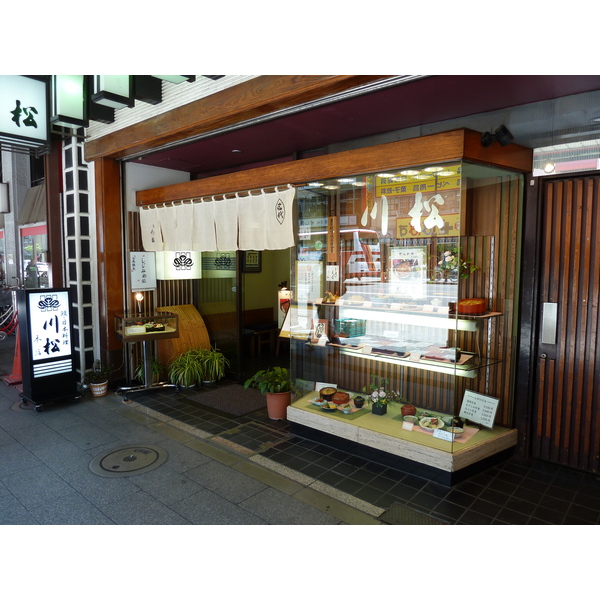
(277, 405)
(408, 409)
(99, 389)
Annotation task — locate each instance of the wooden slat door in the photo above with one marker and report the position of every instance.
(566, 410)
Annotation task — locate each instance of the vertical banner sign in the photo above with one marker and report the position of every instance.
(45, 329)
(333, 239)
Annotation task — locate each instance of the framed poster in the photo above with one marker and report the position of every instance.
(142, 270)
(408, 270)
(251, 261)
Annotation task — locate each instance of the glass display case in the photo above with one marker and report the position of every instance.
(140, 328)
(403, 296)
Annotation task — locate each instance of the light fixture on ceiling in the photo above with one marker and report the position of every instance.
(114, 91)
(236, 151)
(549, 167)
(176, 78)
(502, 135)
(69, 105)
(409, 172)
(385, 175)
(433, 169)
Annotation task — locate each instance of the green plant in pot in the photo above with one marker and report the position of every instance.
(156, 367)
(214, 363)
(187, 369)
(277, 386)
(97, 378)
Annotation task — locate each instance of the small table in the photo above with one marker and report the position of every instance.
(129, 330)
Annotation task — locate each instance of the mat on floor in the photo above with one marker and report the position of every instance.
(397, 514)
(232, 399)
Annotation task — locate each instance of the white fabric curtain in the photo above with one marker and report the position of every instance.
(251, 222)
(254, 221)
(151, 230)
(226, 224)
(184, 219)
(204, 237)
(279, 228)
(168, 226)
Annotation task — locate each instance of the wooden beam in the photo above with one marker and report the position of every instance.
(439, 147)
(257, 97)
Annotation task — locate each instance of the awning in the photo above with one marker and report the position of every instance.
(33, 209)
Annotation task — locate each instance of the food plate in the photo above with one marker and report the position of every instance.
(329, 407)
(431, 423)
(317, 403)
(411, 418)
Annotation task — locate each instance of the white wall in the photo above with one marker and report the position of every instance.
(143, 177)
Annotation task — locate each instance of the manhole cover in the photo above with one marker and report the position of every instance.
(128, 460)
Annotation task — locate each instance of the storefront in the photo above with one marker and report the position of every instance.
(389, 243)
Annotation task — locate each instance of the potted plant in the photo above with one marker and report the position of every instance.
(277, 386)
(156, 367)
(96, 379)
(214, 364)
(186, 370)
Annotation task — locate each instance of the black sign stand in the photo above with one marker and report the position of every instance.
(46, 338)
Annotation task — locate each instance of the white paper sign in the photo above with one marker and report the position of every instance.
(332, 273)
(407, 425)
(479, 408)
(443, 435)
(142, 268)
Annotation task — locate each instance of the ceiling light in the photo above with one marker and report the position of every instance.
(446, 173)
(409, 172)
(385, 174)
(332, 187)
(315, 184)
(359, 183)
(549, 167)
(347, 180)
(433, 169)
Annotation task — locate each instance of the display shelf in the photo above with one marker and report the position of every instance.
(385, 433)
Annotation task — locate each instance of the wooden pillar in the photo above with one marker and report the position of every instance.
(109, 247)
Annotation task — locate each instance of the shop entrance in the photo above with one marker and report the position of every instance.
(566, 406)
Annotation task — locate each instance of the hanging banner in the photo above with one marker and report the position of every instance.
(333, 239)
(178, 264)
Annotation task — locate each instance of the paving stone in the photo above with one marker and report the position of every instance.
(37, 485)
(278, 508)
(72, 509)
(225, 481)
(14, 457)
(167, 486)
(142, 509)
(208, 508)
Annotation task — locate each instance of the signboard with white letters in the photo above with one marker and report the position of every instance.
(479, 408)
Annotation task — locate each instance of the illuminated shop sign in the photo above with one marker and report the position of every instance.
(184, 264)
(49, 325)
(23, 111)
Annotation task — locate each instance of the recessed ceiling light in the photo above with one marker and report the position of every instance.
(359, 183)
(446, 173)
(385, 174)
(347, 180)
(409, 172)
(433, 169)
(236, 151)
(315, 184)
(332, 187)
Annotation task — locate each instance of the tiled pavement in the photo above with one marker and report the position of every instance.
(244, 470)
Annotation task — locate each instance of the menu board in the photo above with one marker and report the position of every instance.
(479, 408)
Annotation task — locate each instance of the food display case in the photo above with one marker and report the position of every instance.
(404, 296)
(146, 329)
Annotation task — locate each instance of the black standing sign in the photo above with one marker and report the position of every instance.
(46, 337)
